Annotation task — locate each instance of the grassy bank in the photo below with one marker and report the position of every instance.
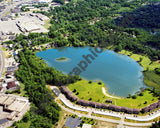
(93, 92)
(151, 79)
(143, 60)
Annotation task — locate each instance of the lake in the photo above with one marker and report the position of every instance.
(121, 74)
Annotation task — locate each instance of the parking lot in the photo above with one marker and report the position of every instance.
(10, 25)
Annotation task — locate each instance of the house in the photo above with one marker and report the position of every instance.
(12, 69)
(68, 94)
(11, 84)
(87, 126)
(83, 102)
(4, 19)
(12, 37)
(1, 89)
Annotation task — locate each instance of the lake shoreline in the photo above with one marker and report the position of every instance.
(105, 51)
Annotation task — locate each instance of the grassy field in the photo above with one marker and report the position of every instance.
(144, 61)
(151, 79)
(87, 91)
(93, 92)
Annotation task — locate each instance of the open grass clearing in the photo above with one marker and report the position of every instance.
(93, 92)
(143, 60)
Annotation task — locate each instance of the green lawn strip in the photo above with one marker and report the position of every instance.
(94, 91)
(133, 121)
(105, 116)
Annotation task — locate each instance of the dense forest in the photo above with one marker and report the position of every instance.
(146, 17)
(94, 22)
(35, 75)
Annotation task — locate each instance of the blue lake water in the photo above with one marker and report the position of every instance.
(121, 74)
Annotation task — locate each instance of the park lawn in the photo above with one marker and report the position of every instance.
(87, 91)
(94, 91)
(152, 79)
(138, 102)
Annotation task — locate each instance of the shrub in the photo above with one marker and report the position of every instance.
(90, 98)
(145, 102)
(99, 82)
(134, 96)
(130, 96)
(141, 94)
(90, 82)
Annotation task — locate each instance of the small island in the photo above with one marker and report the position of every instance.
(62, 59)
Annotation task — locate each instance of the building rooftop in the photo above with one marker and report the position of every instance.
(9, 100)
(87, 126)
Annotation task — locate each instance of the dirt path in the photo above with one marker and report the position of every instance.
(106, 94)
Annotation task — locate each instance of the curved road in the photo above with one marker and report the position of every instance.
(1, 62)
(121, 123)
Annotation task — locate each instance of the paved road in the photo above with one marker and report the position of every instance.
(120, 122)
(1, 62)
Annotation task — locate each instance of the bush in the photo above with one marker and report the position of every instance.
(90, 82)
(90, 98)
(134, 96)
(99, 82)
(130, 96)
(145, 102)
(141, 94)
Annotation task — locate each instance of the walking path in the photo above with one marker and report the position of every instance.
(104, 92)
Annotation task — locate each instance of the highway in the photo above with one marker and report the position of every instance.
(1, 62)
